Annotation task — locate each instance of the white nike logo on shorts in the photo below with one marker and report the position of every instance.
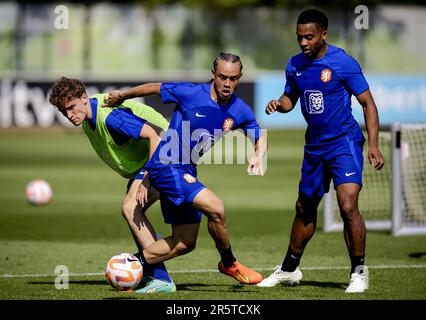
(349, 174)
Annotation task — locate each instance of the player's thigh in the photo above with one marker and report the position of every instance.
(130, 198)
(178, 184)
(181, 214)
(186, 233)
(315, 180)
(347, 196)
(346, 164)
(208, 203)
(307, 205)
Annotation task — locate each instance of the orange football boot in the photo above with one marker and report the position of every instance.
(241, 273)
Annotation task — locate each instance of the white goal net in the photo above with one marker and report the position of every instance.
(393, 198)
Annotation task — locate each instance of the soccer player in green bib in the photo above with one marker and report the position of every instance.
(124, 138)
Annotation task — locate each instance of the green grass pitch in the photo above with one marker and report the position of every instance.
(82, 228)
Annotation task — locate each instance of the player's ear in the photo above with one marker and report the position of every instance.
(212, 75)
(324, 35)
(85, 97)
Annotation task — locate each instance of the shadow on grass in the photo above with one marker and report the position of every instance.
(203, 287)
(210, 287)
(84, 282)
(120, 298)
(336, 285)
(417, 254)
(249, 288)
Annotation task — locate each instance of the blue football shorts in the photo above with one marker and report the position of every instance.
(178, 185)
(342, 162)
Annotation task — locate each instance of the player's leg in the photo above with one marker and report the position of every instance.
(353, 222)
(156, 277)
(312, 186)
(140, 227)
(213, 208)
(354, 233)
(182, 241)
(303, 228)
(347, 171)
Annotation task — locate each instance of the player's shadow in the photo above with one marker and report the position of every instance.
(336, 285)
(84, 282)
(120, 298)
(208, 287)
(417, 254)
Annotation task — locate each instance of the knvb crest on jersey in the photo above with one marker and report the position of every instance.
(188, 178)
(325, 75)
(228, 123)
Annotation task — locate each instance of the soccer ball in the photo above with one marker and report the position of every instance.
(124, 271)
(38, 192)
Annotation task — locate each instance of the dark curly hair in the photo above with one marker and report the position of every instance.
(66, 89)
(313, 16)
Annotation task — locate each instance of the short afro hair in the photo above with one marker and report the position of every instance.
(313, 16)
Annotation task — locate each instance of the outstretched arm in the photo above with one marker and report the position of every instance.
(284, 104)
(371, 119)
(117, 97)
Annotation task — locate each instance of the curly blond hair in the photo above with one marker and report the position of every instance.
(66, 89)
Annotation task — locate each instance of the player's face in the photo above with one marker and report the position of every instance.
(225, 80)
(76, 110)
(311, 39)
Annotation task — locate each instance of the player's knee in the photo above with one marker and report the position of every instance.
(300, 209)
(216, 213)
(185, 246)
(218, 216)
(127, 210)
(349, 210)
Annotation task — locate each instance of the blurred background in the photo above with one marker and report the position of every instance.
(110, 45)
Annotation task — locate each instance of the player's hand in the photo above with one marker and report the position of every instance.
(113, 99)
(255, 166)
(375, 158)
(142, 193)
(272, 106)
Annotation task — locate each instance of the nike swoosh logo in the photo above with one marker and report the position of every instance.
(349, 174)
(132, 259)
(243, 278)
(298, 73)
(200, 115)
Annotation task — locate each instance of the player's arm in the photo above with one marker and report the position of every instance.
(152, 133)
(371, 119)
(255, 165)
(117, 97)
(284, 104)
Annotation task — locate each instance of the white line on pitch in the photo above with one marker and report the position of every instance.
(397, 266)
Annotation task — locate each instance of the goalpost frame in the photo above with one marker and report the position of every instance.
(398, 227)
(395, 223)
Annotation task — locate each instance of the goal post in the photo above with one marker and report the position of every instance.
(409, 179)
(393, 198)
